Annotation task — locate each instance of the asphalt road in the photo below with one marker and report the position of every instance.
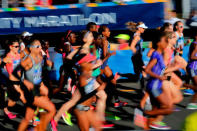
(128, 92)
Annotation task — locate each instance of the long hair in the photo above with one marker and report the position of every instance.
(8, 44)
(159, 35)
(132, 26)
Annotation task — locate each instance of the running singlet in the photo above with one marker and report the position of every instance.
(102, 57)
(15, 61)
(96, 72)
(34, 75)
(180, 41)
(138, 46)
(90, 85)
(158, 69)
(170, 54)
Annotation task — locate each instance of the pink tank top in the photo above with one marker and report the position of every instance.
(15, 61)
(170, 53)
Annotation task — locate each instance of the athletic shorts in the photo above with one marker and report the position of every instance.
(12, 93)
(192, 72)
(154, 87)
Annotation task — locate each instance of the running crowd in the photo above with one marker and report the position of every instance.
(90, 81)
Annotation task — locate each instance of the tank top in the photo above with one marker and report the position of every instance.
(101, 50)
(159, 67)
(192, 64)
(34, 74)
(180, 41)
(15, 61)
(96, 72)
(138, 46)
(170, 53)
(90, 85)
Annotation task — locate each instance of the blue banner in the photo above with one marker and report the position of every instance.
(60, 20)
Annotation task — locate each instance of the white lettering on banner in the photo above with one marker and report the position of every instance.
(56, 21)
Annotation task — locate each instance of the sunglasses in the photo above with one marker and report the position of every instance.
(15, 46)
(180, 26)
(35, 46)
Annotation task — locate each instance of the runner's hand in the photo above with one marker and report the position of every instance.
(113, 53)
(28, 84)
(163, 78)
(99, 62)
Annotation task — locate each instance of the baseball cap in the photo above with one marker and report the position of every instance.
(25, 34)
(123, 36)
(142, 26)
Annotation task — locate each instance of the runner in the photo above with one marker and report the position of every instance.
(160, 98)
(136, 47)
(37, 92)
(192, 69)
(12, 60)
(87, 89)
(25, 37)
(108, 74)
(178, 28)
(174, 82)
(69, 40)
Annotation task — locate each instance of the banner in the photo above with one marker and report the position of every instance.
(62, 19)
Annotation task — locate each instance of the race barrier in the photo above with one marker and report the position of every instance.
(75, 17)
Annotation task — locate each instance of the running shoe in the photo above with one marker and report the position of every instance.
(159, 125)
(41, 110)
(107, 125)
(36, 121)
(53, 125)
(139, 118)
(188, 92)
(112, 118)
(10, 115)
(192, 106)
(67, 118)
(120, 104)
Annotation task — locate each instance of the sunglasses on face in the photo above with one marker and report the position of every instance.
(180, 26)
(15, 46)
(35, 46)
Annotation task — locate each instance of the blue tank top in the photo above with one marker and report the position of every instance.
(159, 67)
(100, 50)
(138, 46)
(34, 74)
(90, 85)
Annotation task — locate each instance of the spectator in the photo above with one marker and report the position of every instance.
(173, 18)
